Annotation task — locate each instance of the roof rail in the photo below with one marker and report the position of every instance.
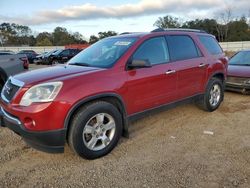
(178, 29)
(125, 33)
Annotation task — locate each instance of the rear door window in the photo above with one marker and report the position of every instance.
(182, 47)
(211, 44)
(154, 50)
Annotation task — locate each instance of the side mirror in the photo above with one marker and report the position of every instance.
(139, 63)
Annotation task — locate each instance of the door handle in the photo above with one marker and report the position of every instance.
(170, 72)
(202, 65)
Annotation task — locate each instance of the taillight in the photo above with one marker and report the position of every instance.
(25, 62)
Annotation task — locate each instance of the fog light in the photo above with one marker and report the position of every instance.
(29, 123)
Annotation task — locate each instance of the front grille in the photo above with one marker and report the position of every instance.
(9, 91)
(237, 80)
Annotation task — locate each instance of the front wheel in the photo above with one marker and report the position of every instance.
(54, 62)
(213, 96)
(95, 130)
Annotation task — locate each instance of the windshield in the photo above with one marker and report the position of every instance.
(57, 52)
(241, 58)
(51, 52)
(103, 53)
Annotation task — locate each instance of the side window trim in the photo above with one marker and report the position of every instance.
(167, 50)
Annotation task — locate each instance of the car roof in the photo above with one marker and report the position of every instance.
(159, 31)
(27, 51)
(5, 53)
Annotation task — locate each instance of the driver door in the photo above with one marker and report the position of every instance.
(153, 86)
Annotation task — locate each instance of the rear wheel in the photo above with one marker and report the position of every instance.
(2, 82)
(1, 86)
(95, 130)
(213, 96)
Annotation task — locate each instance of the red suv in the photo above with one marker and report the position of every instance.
(89, 102)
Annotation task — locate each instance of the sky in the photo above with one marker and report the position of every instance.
(92, 16)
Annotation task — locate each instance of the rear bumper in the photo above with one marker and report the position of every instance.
(242, 88)
(47, 141)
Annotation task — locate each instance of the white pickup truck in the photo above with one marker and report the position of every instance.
(11, 65)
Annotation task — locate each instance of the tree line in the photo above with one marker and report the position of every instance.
(224, 28)
(12, 34)
(225, 31)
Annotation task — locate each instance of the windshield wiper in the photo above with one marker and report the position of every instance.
(80, 64)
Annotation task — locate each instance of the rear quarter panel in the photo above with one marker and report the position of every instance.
(217, 64)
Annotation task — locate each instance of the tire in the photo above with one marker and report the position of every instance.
(87, 136)
(1, 86)
(208, 102)
(54, 62)
(2, 81)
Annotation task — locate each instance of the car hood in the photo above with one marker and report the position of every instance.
(238, 71)
(53, 73)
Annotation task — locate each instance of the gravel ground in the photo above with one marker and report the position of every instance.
(168, 149)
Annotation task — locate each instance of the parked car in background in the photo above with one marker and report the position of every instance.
(238, 78)
(44, 59)
(62, 56)
(39, 57)
(90, 100)
(31, 55)
(6, 52)
(11, 65)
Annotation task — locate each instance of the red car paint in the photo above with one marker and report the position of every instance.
(139, 89)
(239, 72)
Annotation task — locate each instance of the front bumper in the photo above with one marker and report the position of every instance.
(47, 141)
(238, 87)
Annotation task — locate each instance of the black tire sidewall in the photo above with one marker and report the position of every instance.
(80, 123)
(211, 83)
(1, 86)
(54, 62)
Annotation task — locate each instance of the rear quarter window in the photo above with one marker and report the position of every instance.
(211, 44)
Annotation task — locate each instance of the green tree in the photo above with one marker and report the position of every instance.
(167, 22)
(14, 34)
(61, 37)
(44, 37)
(44, 42)
(239, 30)
(101, 35)
(93, 39)
(208, 25)
(105, 34)
(78, 38)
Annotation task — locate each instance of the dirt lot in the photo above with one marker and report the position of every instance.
(168, 149)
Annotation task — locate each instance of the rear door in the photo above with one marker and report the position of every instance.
(190, 65)
(151, 87)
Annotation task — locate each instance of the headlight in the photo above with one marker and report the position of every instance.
(46, 92)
